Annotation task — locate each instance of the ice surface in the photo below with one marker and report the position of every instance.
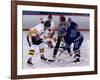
(63, 60)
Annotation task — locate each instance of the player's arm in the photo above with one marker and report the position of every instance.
(50, 33)
(63, 31)
(64, 34)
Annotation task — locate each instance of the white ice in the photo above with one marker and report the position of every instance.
(63, 60)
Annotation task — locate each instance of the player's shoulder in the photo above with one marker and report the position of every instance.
(74, 23)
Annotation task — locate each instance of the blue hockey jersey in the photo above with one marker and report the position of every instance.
(72, 33)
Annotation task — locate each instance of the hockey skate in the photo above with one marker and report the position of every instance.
(30, 61)
(76, 60)
(77, 55)
(43, 58)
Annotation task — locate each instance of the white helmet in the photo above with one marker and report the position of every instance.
(43, 19)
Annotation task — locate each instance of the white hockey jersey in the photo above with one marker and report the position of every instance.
(38, 29)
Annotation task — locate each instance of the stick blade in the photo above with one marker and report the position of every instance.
(51, 60)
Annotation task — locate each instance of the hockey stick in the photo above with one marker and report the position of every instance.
(61, 51)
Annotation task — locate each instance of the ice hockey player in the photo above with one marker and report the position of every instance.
(34, 38)
(62, 24)
(48, 35)
(72, 35)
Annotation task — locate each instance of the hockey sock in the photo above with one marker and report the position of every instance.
(31, 52)
(77, 54)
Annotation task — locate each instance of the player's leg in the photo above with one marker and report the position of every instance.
(31, 54)
(76, 49)
(32, 49)
(67, 47)
(42, 51)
